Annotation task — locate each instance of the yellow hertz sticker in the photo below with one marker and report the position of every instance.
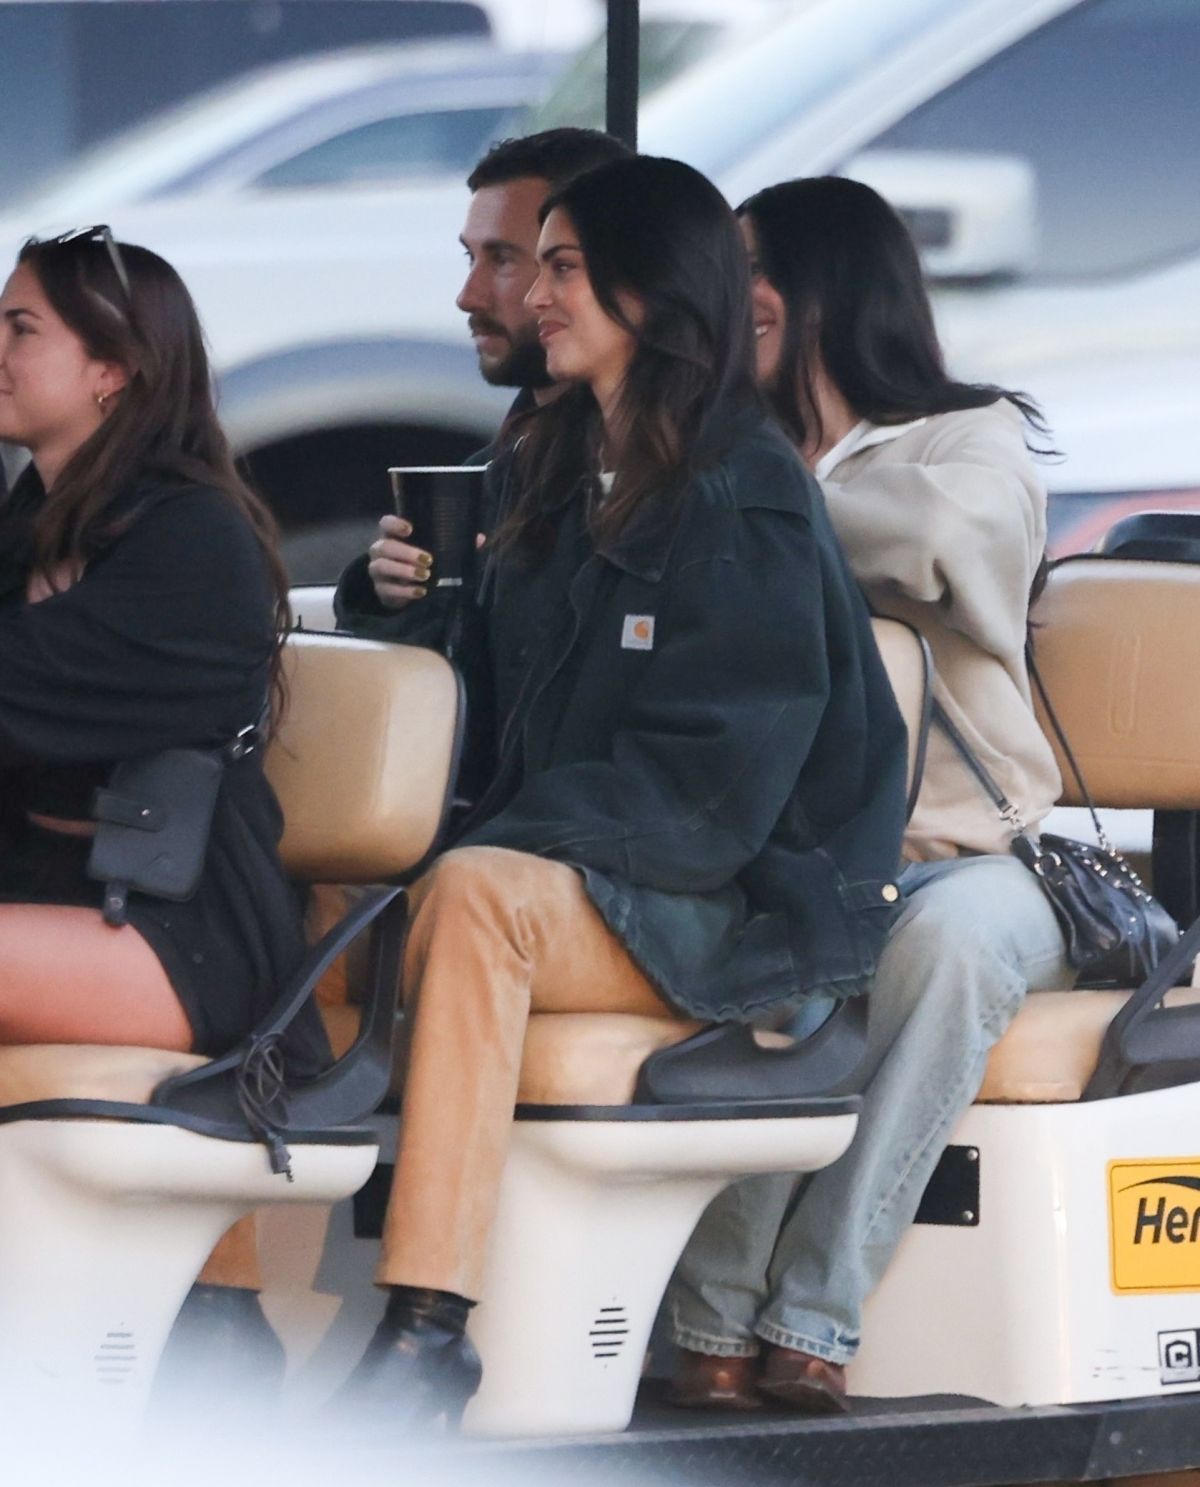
(1154, 1225)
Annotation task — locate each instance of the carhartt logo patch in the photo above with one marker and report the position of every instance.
(638, 633)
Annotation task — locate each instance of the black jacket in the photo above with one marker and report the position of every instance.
(164, 642)
(697, 719)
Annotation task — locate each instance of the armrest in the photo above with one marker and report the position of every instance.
(1145, 1035)
(248, 1086)
(727, 1063)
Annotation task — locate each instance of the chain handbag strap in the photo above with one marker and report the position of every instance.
(1008, 811)
(1026, 846)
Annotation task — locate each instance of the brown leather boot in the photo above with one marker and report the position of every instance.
(803, 1382)
(704, 1382)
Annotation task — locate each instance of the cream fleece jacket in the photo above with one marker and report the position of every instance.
(944, 523)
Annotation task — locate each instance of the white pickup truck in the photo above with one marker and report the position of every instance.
(1045, 151)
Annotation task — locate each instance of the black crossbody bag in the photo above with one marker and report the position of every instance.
(153, 821)
(1116, 931)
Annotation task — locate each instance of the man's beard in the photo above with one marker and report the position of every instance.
(525, 364)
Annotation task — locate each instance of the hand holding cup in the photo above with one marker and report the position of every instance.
(431, 538)
(400, 572)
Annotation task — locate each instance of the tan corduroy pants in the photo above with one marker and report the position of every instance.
(494, 936)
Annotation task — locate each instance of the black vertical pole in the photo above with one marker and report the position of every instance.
(621, 94)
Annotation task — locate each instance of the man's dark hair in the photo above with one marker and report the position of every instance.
(557, 155)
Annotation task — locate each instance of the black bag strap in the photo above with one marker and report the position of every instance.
(995, 794)
(1025, 845)
(1065, 744)
(1007, 810)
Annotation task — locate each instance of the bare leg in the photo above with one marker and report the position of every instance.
(67, 977)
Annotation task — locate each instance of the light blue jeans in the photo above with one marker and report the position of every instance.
(791, 1261)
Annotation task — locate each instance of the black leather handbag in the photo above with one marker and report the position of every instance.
(153, 821)
(1116, 930)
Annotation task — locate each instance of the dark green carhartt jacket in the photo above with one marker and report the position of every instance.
(698, 720)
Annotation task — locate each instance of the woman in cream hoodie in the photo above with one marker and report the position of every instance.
(934, 495)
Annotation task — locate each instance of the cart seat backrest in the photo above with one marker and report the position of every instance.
(363, 761)
(1117, 644)
(1118, 647)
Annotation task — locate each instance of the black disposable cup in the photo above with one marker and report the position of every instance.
(443, 504)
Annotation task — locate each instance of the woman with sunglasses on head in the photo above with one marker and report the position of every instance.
(932, 491)
(697, 744)
(141, 604)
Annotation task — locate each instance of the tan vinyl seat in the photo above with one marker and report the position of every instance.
(1050, 1049)
(362, 762)
(1113, 641)
(591, 1058)
(50, 1071)
(1118, 646)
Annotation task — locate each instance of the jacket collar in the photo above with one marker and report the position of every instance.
(643, 549)
(864, 435)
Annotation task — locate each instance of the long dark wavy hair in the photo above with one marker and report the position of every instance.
(162, 424)
(658, 231)
(847, 269)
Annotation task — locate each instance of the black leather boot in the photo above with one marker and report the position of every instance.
(222, 1350)
(419, 1370)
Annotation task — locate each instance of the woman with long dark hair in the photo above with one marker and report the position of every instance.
(141, 606)
(932, 491)
(695, 745)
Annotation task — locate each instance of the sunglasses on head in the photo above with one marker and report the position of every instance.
(101, 233)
